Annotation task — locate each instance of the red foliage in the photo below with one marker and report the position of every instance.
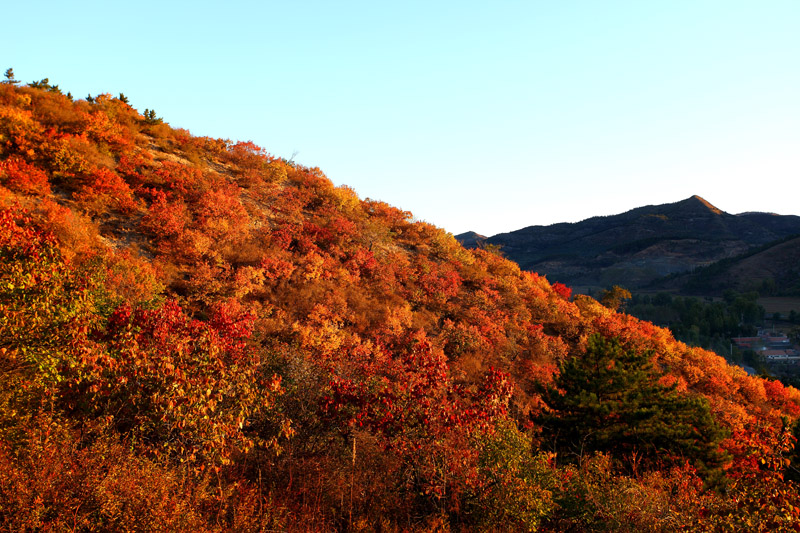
(250, 159)
(562, 290)
(409, 396)
(104, 189)
(182, 180)
(276, 268)
(361, 263)
(135, 167)
(20, 176)
(165, 218)
(185, 385)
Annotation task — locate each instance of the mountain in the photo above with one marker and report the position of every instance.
(470, 239)
(636, 247)
(771, 270)
(196, 335)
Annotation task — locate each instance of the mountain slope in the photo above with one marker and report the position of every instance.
(638, 246)
(771, 270)
(195, 335)
(470, 239)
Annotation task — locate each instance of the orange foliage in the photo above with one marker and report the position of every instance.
(382, 331)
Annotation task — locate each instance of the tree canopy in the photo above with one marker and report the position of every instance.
(609, 399)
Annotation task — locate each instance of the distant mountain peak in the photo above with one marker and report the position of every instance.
(705, 203)
(635, 247)
(470, 239)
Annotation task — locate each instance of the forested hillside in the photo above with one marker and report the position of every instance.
(198, 336)
(772, 270)
(640, 247)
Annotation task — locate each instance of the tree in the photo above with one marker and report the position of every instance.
(615, 297)
(151, 118)
(9, 75)
(44, 84)
(610, 399)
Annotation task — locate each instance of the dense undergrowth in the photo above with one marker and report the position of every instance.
(195, 335)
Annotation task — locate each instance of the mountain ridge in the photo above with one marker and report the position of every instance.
(642, 244)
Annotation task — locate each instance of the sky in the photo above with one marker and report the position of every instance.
(482, 116)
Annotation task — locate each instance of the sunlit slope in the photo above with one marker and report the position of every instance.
(209, 306)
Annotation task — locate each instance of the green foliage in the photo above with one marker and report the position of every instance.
(707, 324)
(46, 308)
(517, 482)
(9, 75)
(151, 118)
(44, 84)
(609, 400)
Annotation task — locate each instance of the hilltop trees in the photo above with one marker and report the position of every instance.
(9, 75)
(150, 116)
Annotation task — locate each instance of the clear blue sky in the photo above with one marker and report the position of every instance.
(485, 116)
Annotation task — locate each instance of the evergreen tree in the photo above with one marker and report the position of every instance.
(151, 118)
(609, 400)
(9, 75)
(44, 83)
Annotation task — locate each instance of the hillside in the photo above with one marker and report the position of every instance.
(470, 239)
(634, 248)
(772, 270)
(198, 336)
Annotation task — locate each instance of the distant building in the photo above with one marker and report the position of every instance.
(777, 340)
(781, 356)
(746, 342)
(765, 340)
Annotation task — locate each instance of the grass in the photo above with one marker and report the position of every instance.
(778, 304)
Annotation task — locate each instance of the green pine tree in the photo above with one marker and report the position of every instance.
(151, 118)
(609, 400)
(9, 75)
(44, 83)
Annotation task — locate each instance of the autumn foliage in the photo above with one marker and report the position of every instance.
(196, 335)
